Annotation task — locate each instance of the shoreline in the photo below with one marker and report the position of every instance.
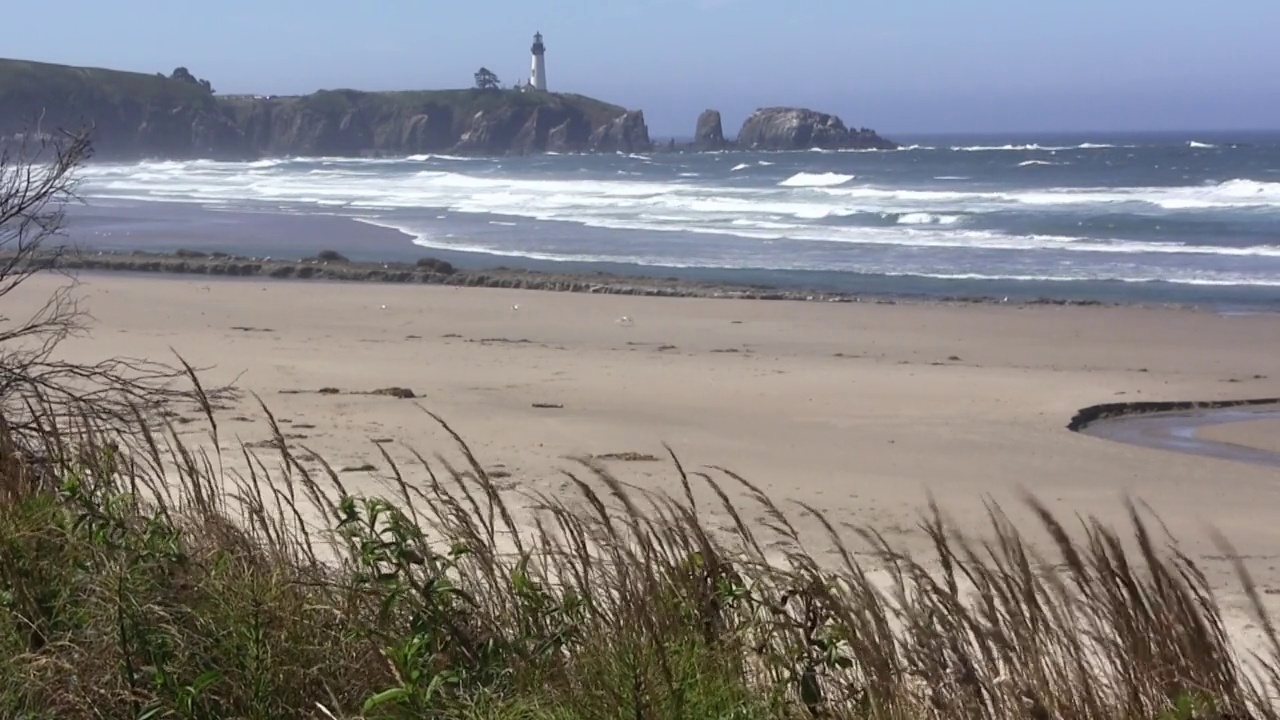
(431, 271)
(1093, 414)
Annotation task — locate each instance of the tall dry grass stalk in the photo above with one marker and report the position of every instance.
(142, 579)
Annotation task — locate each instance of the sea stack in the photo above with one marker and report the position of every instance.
(709, 134)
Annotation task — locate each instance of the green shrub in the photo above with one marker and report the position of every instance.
(439, 267)
(330, 256)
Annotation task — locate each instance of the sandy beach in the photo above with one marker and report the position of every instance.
(863, 410)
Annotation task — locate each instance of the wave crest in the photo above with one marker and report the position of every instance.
(805, 179)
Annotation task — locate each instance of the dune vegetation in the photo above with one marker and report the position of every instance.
(140, 582)
(144, 577)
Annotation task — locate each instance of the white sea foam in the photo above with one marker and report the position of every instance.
(998, 148)
(439, 188)
(425, 158)
(827, 179)
(928, 219)
(766, 225)
(1238, 193)
(739, 167)
(803, 222)
(1231, 279)
(1033, 163)
(1035, 147)
(1200, 145)
(1123, 273)
(902, 236)
(905, 148)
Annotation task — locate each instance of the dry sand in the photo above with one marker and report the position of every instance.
(861, 410)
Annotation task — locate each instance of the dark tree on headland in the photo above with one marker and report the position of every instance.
(486, 79)
(183, 74)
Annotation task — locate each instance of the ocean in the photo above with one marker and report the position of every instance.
(1190, 217)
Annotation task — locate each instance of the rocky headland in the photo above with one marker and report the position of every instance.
(178, 116)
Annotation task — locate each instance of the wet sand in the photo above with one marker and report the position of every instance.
(862, 410)
(1262, 434)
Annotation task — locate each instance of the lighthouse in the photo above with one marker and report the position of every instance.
(538, 74)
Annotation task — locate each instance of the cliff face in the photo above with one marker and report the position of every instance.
(626, 133)
(802, 129)
(137, 115)
(485, 122)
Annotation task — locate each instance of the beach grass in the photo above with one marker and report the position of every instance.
(140, 579)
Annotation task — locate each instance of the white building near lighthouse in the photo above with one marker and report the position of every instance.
(538, 72)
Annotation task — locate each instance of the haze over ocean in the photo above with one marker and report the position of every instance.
(1172, 217)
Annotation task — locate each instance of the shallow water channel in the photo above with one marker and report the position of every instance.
(1177, 431)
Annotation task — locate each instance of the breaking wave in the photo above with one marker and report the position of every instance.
(941, 214)
(1114, 273)
(801, 193)
(805, 179)
(928, 219)
(1035, 147)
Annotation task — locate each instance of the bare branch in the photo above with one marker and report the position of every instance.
(38, 179)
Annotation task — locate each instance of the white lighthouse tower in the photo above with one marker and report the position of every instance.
(538, 74)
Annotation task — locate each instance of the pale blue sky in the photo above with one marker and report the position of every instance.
(899, 66)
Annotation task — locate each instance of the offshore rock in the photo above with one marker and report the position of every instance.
(709, 133)
(137, 115)
(803, 129)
